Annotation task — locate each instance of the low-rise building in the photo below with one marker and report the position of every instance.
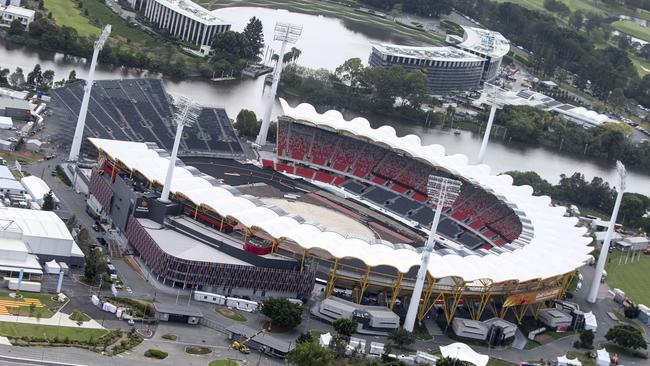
(11, 12)
(554, 318)
(177, 313)
(370, 318)
(8, 183)
(633, 243)
(14, 108)
(33, 145)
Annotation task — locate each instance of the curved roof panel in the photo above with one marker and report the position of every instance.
(554, 245)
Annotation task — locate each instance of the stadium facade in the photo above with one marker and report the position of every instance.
(527, 250)
(183, 19)
(466, 64)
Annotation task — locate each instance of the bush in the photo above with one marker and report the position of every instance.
(170, 337)
(632, 312)
(156, 353)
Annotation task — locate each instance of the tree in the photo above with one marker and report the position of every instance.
(48, 201)
(4, 76)
(310, 354)
(401, 337)
(17, 78)
(247, 124)
(283, 313)
(626, 336)
(577, 19)
(94, 267)
(231, 46)
(72, 77)
(305, 338)
(48, 80)
(632, 312)
(345, 327)
(587, 339)
(617, 98)
(338, 345)
(254, 33)
(71, 222)
(350, 72)
(16, 28)
(35, 77)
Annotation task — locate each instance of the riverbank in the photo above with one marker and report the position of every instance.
(343, 11)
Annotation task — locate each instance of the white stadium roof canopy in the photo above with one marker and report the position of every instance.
(556, 245)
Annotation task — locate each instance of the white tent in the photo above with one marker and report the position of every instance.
(37, 188)
(52, 267)
(603, 358)
(6, 123)
(463, 352)
(325, 339)
(565, 361)
(590, 322)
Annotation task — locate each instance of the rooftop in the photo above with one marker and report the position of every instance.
(485, 42)
(185, 247)
(426, 53)
(18, 11)
(192, 10)
(177, 309)
(7, 102)
(36, 223)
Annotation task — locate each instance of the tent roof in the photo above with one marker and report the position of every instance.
(463, 352)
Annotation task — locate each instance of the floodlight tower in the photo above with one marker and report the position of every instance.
(186, 114)
(602, 258)
(443, 192)
(493, 98)
(81, 120)
(286, 33)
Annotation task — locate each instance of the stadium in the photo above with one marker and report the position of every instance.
(500, 250)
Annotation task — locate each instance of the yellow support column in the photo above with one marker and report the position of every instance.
(332, 279)
(221, 225)
(426, 296)
(196, 212)
(363, 285)
(396, 288)
(302, 260)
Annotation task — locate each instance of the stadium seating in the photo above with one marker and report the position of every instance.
(400, 182)
(141, 110)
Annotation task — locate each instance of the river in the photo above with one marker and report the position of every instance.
(327, 42)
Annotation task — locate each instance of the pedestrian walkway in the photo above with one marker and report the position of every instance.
(58, 319)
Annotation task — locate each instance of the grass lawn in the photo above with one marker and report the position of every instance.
(65, 12)
(9, 329)
(79, 316)
(223, 363)
(633, 29)
(498, 362)
(629, 277)
(49, 306)
(584, 5)
(230, 314)
(642, 66)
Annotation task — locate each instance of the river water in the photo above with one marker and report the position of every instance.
(327, 42)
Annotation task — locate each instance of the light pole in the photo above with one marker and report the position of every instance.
(602, 258)
(443, 192)
(493, 99)
(186, 114)
(286, 33)
(81, 120)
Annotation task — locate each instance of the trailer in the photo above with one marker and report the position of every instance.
(25, 286)
(242, 304)
(209, 297)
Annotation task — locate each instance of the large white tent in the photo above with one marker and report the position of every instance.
(603, 358)
(565, 361)
(463, 352)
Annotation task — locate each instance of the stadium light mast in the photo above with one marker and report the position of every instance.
(443, 192)
(493, 94)
(604, 250)
(81, 120)
(186, 114)
(286, 33)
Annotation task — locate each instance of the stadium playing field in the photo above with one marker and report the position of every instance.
(631, 277)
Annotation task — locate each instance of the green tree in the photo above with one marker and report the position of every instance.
(72, 77)
(17, 78)
(626, 336)
(48, 201)
(540, 186)
(401, 337)
(247, 124)
(231, 46)
(350, 72)
(71, 222)
(16, 28)
(4, 76)
(283, 313)
(450, 361)
(338, 345)
(48, 80)
(587, 339)
(345, 327)
(35, 77)
(95, 266)
(254, 33)
(632, 312)
(310, 354)
(305, 338)
(617, 98)
(577, 19)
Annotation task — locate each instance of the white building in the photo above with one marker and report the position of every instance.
(43, 232)
(9, 13)
(8, 183)
(490, 45)
(33, 145)
(36, 188)
(183, 19)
